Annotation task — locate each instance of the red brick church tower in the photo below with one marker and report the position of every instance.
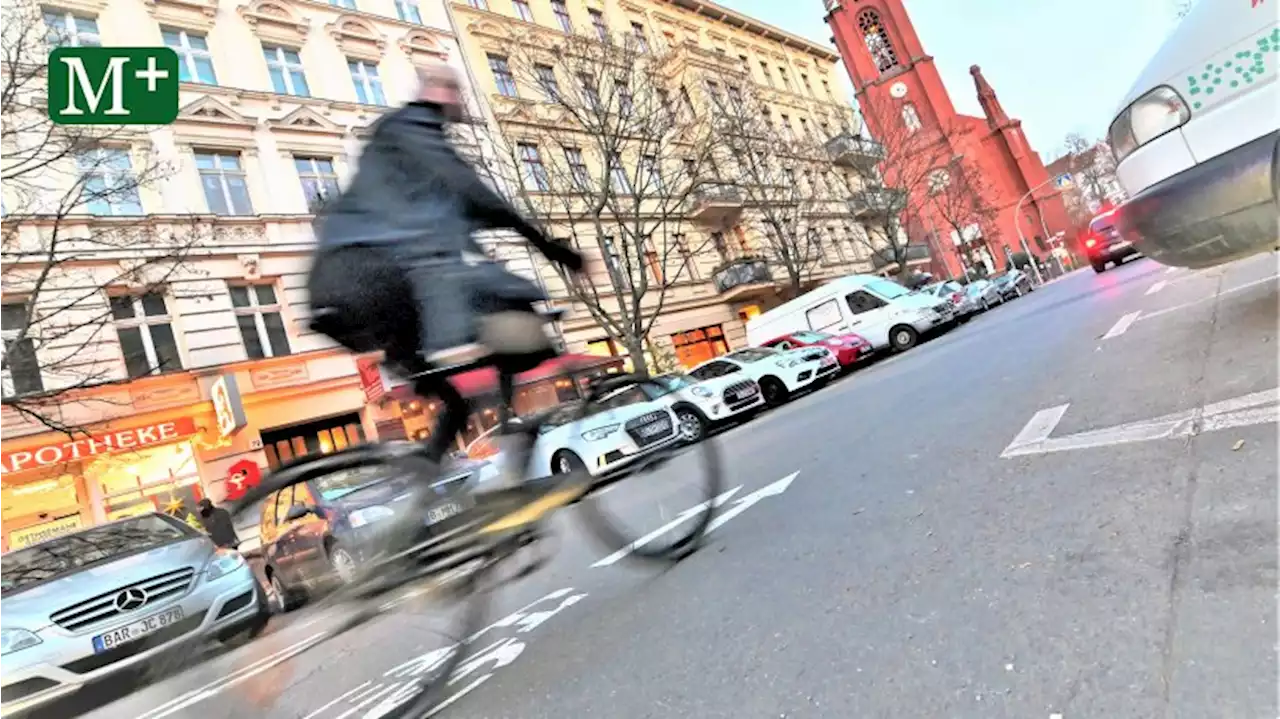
(896, 81)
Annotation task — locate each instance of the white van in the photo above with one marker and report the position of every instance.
(1195, 141)
(882, 311)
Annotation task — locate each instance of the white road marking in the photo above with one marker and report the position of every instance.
(1160, 285)
(1121, 326)
(1183, 306)
(1250, 409)
(321, 710)
(742, 505)
(1171, 270)
(680, 519)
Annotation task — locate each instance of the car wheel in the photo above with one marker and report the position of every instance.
(279, 597)
(566, 462)
(344, 565)
(903, 337)
(692, 426)
(1099, 267)
(774, 391)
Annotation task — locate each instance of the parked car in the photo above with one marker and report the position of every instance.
(84, 606)
(1104, 243)
(316, 535)
(848, 348)
(953, 292)
(780, 374)
(700, 404)
(1014, 283)
(984, 294)
(1196, 139)
(881, 310)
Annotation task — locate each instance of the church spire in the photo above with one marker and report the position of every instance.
(996, 116)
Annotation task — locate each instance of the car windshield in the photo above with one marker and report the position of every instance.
(888, 290)
(753, 354)
(811, 336)
(60, 556)
(343, 482)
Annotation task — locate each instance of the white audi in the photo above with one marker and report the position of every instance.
(780, 374)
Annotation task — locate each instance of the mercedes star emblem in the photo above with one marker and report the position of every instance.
(130, 599)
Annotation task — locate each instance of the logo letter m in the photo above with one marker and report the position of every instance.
(78, 79)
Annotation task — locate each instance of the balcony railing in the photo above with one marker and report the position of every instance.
(884, 257)
(876, 201)
(742, 276)
(716, 204)
(854, 151)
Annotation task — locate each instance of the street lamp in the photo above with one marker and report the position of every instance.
(1062, 182)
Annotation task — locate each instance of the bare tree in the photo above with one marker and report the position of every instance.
(73, 232)
(603, 157)
(962, 199)
(1094, 173)
(893, 187)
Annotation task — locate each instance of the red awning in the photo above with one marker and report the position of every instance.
(484, 381)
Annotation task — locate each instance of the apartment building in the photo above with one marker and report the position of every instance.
(729, 279)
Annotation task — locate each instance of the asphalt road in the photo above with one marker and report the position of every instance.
(1099, 568)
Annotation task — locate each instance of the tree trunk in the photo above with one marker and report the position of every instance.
(635, 348)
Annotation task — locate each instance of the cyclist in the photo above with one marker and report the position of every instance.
(391, 271)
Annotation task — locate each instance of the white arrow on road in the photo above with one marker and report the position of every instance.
(742, 505)
(680, 518)
(1256, 408)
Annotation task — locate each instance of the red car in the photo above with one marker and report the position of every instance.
(848, 348)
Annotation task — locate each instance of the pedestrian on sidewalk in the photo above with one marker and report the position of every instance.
(217, 522)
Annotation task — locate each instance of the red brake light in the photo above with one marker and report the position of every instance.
(1090, 242)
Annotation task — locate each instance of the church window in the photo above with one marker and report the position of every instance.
(877, 40)
(911, 118)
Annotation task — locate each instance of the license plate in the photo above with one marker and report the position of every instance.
(136, 630)
(744, 392)
(443, 511)
(653, 430)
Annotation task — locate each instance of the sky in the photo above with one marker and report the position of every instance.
(1061, 66)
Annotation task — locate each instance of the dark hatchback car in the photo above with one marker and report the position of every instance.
(1104, 244)
(316, 535)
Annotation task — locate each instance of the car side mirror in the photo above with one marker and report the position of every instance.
(298, 511)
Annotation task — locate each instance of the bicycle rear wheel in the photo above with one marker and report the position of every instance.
(652, 498)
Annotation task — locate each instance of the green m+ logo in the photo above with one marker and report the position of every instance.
(113, 86)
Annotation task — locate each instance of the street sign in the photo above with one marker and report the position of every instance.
(1063, 182)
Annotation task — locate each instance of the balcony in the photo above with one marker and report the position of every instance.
(688, 57)
(852, 151)
(884, 257)
(743, 277)
(877, 201)
(716, 205)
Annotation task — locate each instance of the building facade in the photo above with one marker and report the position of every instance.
(896, 82)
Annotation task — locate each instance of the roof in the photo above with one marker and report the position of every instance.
(749, 24)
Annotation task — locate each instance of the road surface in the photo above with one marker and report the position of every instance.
(1066, 507)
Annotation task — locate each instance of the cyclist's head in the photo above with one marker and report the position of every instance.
(438, 84)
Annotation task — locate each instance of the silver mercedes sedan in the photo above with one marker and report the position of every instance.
(81, 606)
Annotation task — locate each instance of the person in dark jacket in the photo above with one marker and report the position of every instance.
(217, 522)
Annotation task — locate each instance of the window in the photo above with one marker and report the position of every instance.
(109, 185)
(619, 271)
(713, 90)
(618, 175)
(22, 370)
(479, 4)
(642, 40)
(547, 81)
(686, 257)
(860, 302)
(697, 346)
(686, 100)
(786, 127)
(67, 30)
(664, 99)
(654, 263)
(804, 81)
(826, 89)
(876, 39)
(562, 15)
(577, 167)
(651, 172)
(319, 180)
(502, 76)
(824, 315)
(589, 89)
(626, 102)
(804, 128)
(535, 173)
(224, 185)
(597, 21)
(364, 77)
(408, 11)
(735, 96)
(786, 81)
(195, 64)
(764, 70)
(348, 4)
(286, 71)
(523, 11)
(146, 334)
(911, 118)
(258, 315)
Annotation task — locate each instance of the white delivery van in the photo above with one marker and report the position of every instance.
(882, 311)
(1195, 140)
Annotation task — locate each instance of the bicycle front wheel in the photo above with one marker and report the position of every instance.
(655, 488)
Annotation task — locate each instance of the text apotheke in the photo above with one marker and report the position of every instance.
(74, 450)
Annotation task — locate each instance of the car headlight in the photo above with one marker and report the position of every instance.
(599, 433)
(702, 392)
(1159, 111)
(12, 640)
(225, 561)
(369, 515)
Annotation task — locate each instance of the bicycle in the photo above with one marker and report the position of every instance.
(460, 555)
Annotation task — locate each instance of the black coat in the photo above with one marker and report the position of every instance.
(413, 195)
(220, 527)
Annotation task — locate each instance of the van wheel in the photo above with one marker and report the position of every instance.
(903, 338)
(774, 391)
(1099, 267)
